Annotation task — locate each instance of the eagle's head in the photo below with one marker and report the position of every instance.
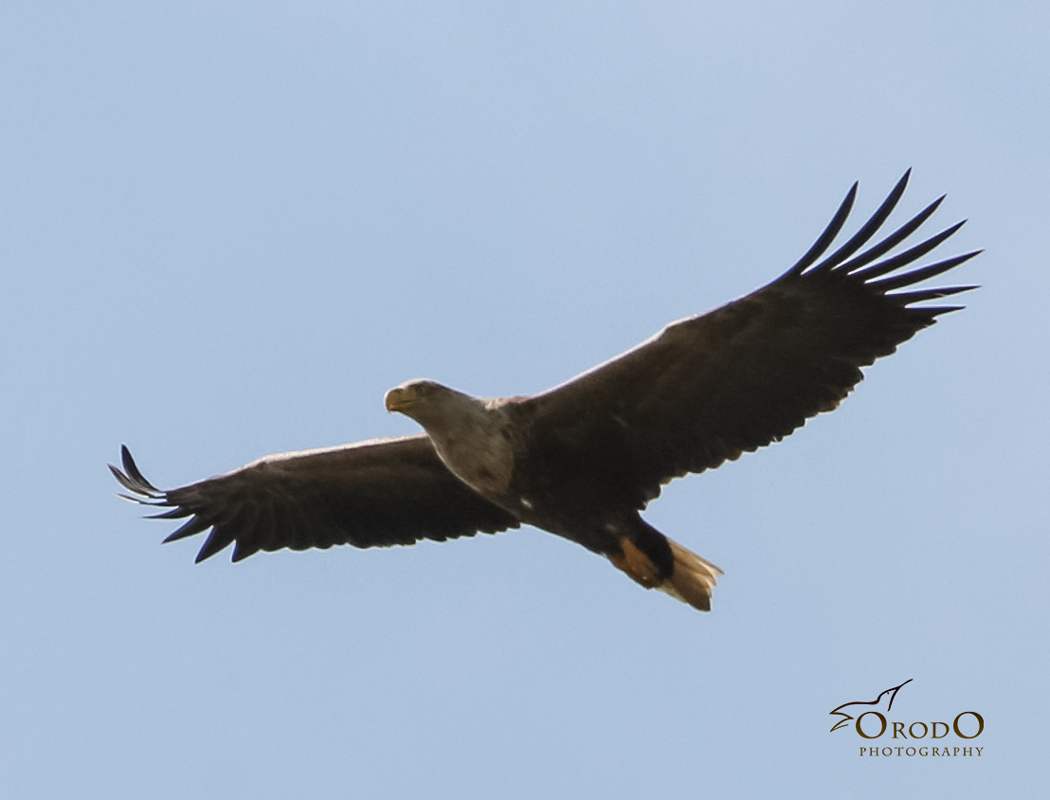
(432, 405)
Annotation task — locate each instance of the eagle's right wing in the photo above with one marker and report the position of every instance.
(376, 493)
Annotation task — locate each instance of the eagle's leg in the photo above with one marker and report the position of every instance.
(637, 564)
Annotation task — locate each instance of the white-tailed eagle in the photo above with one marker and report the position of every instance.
(583, 459)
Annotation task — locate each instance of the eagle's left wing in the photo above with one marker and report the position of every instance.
(711, 387)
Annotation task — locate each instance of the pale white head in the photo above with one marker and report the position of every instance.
(432, 405)
(467, 432)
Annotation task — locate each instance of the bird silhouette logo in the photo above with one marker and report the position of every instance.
(870, 705)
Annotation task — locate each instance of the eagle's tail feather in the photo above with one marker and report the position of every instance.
(693, 579)
(690, 579)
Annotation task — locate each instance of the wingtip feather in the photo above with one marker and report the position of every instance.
(132, 479)
(830, 232)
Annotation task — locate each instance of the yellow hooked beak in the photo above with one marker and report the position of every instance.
(399, 399)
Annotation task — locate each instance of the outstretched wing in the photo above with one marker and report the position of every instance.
(708, 388)
(377, 493)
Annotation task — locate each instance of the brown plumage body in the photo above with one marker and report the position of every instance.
(583, 459)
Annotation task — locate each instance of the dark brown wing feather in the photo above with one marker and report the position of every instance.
(710, 387)
(380, 493)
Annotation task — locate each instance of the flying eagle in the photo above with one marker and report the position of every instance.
(583, 459)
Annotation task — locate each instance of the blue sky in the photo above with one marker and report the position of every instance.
(227, 229)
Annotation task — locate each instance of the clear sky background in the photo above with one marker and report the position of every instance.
(226, 229)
